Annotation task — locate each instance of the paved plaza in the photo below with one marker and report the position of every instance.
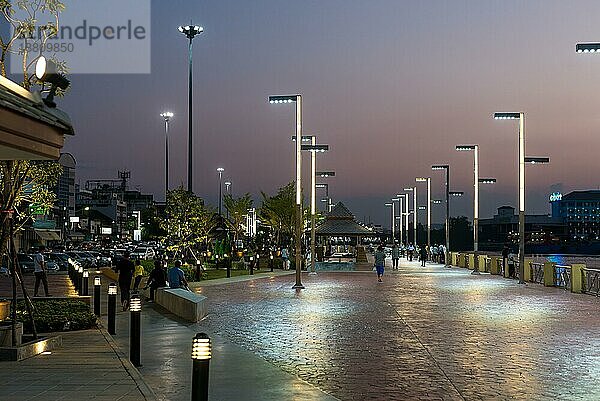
(423, 334)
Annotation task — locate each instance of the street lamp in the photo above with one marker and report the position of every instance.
(522, 160)
(587, 47)
(428, 181)
(401, 199)
(167, 115)
(190, 31)
(228, 191)
(391, 205)
(476, 182)
(220, 170)
(313, 148)
(284, 99)
(415, 211)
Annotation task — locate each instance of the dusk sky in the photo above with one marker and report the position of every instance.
(392, 86)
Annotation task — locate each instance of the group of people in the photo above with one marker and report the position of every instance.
(435, 253)
(130, 271)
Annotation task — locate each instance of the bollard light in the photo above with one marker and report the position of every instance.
(251, 265)
(97, 295)
(271, 261)
(198, 265)
(86, 283)
(112, 308)
(135, 331)
(201, 355)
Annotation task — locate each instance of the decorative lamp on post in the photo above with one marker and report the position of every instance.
(112, 308)
(428, 181)
(135, 331)
(190, 32)
(97, 286)
(520, 116)
(297, 99)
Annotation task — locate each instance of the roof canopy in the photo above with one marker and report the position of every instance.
(340, 222)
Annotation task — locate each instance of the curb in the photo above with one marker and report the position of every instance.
(131, 370)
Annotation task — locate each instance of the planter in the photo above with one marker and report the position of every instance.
(30, 348)
(6, 334)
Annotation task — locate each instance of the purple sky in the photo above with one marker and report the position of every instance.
(392, 86)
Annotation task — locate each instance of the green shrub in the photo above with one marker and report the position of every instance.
(57, 315)
(239, 265)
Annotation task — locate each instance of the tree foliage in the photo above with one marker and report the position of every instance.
(238, 210)
(188, 221)
(279, 212)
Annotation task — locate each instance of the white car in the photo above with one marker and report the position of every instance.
(143, 253)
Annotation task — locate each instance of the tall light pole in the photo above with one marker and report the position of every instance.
(227, 191)
(281, 99)
(428, 181)
(220, 170)
(167, 115)
(327, 174)
(407, 215)
(521, 162)
(313, 148)
(391, 205)
(476, 182)
(190, 31)
(415, 211)
(326, 187)
(400, 199)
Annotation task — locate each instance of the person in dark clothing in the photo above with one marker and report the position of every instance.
(157, 278)
(505, 252)
(423, 255)
(125, 269)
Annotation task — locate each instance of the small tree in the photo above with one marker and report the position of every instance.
(238, 210)
(278, 212)
(187, 223)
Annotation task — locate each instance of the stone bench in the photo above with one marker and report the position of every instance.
(183, 303)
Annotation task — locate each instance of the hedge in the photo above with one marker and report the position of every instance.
(57, 315)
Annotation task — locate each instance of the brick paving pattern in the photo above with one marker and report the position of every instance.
(423, 334)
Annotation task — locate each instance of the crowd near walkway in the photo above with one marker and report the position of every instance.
(429, 333)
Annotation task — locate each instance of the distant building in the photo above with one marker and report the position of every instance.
(580, 211)
(504, 228)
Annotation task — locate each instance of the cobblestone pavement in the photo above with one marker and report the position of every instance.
(423, 334)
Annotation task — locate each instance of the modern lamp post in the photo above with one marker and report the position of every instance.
(326, 187)
(415, 211)
(476, 182)
(227, 191)
(400, 216)
(428, 181)
(220, 170)
(521, 161)
(449, 193)
(391, 205)
(167, 115)
(313, 148)
(190, 32)
(327, 174)
(281, 99)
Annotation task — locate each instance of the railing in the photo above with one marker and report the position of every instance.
(537, 273)
(591, 281)
(562, 276)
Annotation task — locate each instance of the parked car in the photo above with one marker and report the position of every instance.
(26, 262)
(143, 253)
(61, 259)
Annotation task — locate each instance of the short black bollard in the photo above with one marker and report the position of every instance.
(198, 266)
(228, 267)
(251, 265)
(97, 295)
(135, 331)
(201, 354)
(271, 262)
(112, 308)
(257, 261)
(86, 284)
(80, 281)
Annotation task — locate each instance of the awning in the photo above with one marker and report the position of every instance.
(48, 235)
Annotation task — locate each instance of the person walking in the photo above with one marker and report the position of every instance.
(511, 264)
(157, 278)
(285, 256)
(411, 252)
(505, 252)
(39, 264)
(125, 268)
(177, 277)
(395, 256)
(379, 262)
(137, 274)
(423, 255)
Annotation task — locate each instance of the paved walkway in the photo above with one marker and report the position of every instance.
(423, 334)
(86, 367)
